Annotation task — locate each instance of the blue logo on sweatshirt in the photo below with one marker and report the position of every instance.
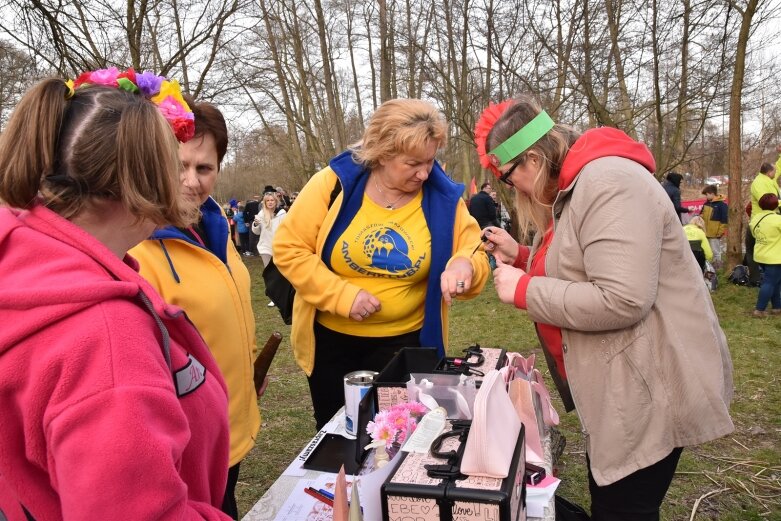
(387, 250)
(386, 254)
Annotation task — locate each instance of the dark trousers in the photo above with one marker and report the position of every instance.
(253, 243)
(337, 354)
(700, 256)
(636, 497)
(229, 505)
(244, 241)
(754, 275)
(770, 290)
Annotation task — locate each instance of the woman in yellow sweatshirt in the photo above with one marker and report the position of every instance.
(766, 227)
(199, 269)
(695, 234)
(376, 266)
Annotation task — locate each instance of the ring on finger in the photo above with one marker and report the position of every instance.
(460, 284)
(365, 314)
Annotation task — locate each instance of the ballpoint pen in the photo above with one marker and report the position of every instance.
(327, 494)
(319, 496)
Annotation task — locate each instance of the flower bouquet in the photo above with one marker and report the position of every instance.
(393, 426)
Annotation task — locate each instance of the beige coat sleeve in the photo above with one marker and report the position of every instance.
(619, 231)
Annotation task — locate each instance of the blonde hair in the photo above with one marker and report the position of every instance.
(265, 218)
(400, 126)
(698, 222)
(534, 209)
(100, 144)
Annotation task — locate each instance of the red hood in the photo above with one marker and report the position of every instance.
(602, 142)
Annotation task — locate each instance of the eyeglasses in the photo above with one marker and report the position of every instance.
(505, 177)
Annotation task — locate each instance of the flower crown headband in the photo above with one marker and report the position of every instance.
(513, 146)
(164, 93)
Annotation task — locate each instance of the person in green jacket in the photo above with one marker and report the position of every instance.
(765, 225)
(778, 166)
(763, 183)
(695, 234)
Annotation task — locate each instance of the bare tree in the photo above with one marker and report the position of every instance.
(18, 68)
(170, 36)
(734, 237)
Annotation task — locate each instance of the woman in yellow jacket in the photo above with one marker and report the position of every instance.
(766, 228)
(198, 269)
(376, 266)
(695, 234)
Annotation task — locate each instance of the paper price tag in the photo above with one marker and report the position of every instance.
(430, 426)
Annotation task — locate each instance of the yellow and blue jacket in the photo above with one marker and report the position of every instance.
(306, 238)
(213, 288)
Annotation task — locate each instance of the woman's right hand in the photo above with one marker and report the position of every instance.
(500, 244)
(364, 305)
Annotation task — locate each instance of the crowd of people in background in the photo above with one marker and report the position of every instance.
(706, 233)
(242, 215)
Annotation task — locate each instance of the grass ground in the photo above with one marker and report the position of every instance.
(734, 478)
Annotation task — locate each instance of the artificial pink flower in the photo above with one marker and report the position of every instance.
(105, 77)
(397, 423)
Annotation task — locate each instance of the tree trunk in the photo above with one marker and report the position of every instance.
(625, 105)
(350, 13)
(735, 144)
(336, 117)
(298, 162)
(385, 51)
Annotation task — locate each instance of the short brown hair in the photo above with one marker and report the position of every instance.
(101, 144)
(552, 148)
(766, 168)
(209, 120)
(400, 126)
(710, 189)
(768, 202)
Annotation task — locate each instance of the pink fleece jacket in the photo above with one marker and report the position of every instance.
(92, 427)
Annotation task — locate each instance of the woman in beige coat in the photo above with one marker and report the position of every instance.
(627, 327)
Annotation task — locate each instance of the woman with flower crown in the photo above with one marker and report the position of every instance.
(628, 329)
(112, 406)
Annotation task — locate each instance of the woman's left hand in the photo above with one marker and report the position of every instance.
(456, 279)
(506, 279)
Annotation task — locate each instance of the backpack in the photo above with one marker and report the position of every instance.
(739, 275)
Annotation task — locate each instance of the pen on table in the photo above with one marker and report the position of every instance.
(318, 496)
(326, 493)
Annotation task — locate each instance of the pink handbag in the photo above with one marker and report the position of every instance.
(531, 401)
(494, 430)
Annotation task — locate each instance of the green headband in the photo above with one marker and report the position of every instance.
(519, 142)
